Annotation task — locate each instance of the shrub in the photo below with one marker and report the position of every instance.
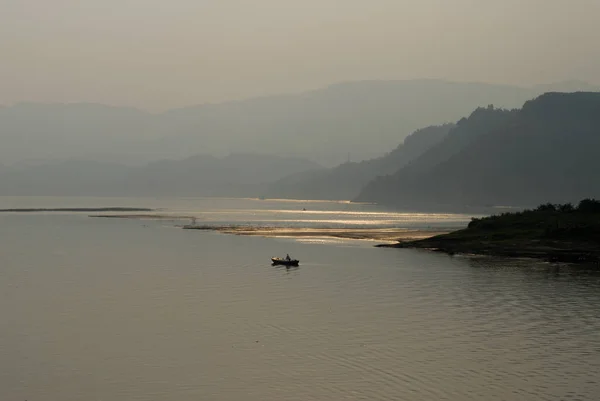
(547, 207)
(567, 207)
(474, 222)
(589, 206)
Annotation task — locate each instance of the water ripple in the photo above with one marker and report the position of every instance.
(143, 315)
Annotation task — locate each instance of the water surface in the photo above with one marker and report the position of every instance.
(98, 309)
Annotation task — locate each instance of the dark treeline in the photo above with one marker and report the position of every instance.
(555, 232)
(557, 221)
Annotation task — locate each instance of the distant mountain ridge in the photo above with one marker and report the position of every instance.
(238, 175)
(346, 180)
(545, 152)
(365, 119)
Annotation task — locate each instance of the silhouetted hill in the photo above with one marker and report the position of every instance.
(365, 119)
(547, 151)
(346, 180)
(201, 175)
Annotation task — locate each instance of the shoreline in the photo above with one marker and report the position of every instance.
(379, 234)
(552, 232)
(550, 251)
(441, 241)
(367, 234)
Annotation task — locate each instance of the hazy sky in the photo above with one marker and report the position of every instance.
(157, 54)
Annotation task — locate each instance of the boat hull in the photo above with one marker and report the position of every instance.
(285, 262)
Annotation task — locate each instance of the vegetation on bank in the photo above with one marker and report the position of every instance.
(556, 232)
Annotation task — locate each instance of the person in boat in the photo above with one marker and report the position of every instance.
(287, 257)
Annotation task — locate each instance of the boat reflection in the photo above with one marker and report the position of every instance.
(287, 268)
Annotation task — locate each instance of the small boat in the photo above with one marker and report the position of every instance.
(285, 262)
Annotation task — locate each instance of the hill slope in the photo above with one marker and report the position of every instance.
(547, 151)
(346, 180)
(201, 175)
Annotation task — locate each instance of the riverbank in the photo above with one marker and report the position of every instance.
(373, 234)
(557, 233)
(552, 251)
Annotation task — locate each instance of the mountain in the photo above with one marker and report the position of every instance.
(239, 175)
(545, 152)
(364, 119)
(346, 180)
(200, 175)
(36, 133)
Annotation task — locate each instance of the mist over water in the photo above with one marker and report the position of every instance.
(120, 309)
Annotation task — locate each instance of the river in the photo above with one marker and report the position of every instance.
(142, 310)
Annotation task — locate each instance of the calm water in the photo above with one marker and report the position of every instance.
(116, 310)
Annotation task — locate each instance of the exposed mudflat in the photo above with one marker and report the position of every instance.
(381, 234)
(375, 234)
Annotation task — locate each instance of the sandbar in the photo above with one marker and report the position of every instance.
(374, 234)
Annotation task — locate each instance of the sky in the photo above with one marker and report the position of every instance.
(161, 54)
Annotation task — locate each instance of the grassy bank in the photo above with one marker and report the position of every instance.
(563, 233)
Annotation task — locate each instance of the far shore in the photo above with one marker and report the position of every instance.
(78, 209)
(140, 216)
